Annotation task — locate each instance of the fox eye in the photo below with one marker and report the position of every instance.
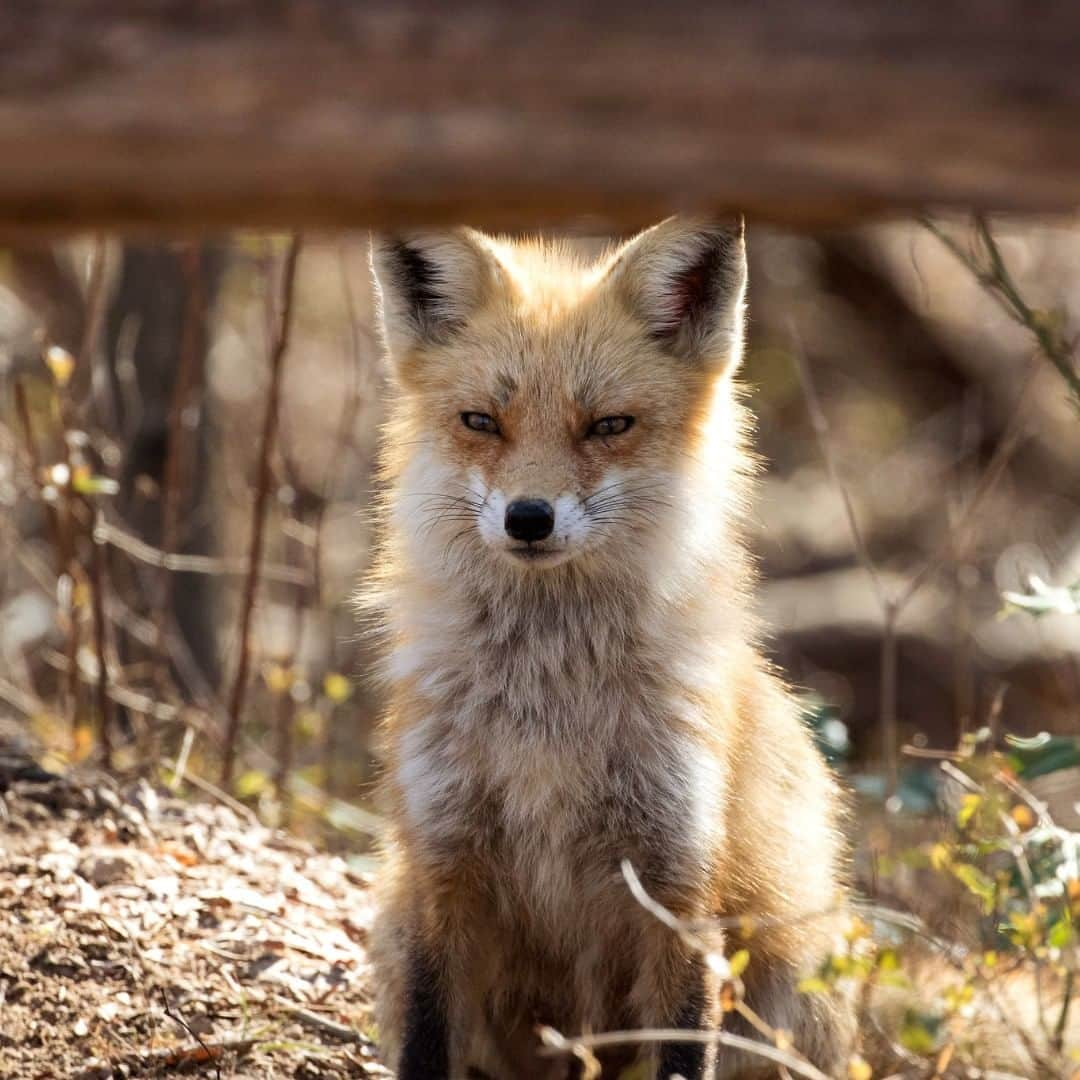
(611, 425)
(478, 421)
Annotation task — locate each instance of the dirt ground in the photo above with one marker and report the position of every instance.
(142, 935)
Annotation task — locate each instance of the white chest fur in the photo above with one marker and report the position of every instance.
(562, 748)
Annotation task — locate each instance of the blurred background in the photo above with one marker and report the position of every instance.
(190, 405)
(144, 436)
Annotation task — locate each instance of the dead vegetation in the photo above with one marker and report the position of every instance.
(175, 606)
(143, 935)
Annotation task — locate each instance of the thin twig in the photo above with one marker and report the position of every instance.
(61, 527)
(963, 652)
(95, 303)
(26, 703)
(176, 470)
(341, 1032)
(889, 606)
(893, 605)
(22, 408)
(961, 959)
(87, 672)
(654, 907)
(182, 759)
(994, 276)
(557, 1043)
(699, 943)
(821, 429)
(1019, 854)
(98, 575)
(26, 424)
(95, 308)
(890, 736)
(94, 569)
(106, 532)
(178, 1019)
(258, 523)
(1063, 1015)
(1035, 805)
(285, 720)
(346, 424)
(1014, 434)
(208, 788)
(295, 530)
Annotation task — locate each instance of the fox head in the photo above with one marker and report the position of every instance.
(553, 412)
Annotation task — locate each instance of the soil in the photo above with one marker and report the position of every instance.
(142, 935)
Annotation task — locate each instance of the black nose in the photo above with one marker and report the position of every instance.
(530, 519)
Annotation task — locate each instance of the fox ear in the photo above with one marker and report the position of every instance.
(686, 280)
(428, 284)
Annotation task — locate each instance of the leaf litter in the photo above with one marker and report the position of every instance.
(143, 935)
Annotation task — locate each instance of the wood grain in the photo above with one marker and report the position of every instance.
(157, 113)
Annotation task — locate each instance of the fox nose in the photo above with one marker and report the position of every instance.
(530, 519)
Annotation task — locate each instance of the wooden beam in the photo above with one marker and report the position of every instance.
(307, 113)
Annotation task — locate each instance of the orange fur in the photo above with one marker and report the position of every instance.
(604, 699)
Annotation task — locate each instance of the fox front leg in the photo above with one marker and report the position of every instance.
(688, 1059)
(425, 1048)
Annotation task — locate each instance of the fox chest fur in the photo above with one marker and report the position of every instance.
(548, 739)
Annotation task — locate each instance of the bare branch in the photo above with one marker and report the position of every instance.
(262, 492)
(556, 1043)
(98, 576)
(821, 430)
(994, 276)
(108, 533)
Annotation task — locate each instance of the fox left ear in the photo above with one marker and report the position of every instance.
(686, 280)
(428, 284)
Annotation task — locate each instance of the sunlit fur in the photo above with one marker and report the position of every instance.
(551, 717)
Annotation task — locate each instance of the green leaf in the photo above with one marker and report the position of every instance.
(888, 960)
(337, 687)
(976, 882)
(919, 1033)
(813, 985)
(87, 483)
(737, 964)
(830, 732)
(1043, 599)
(1060, 934)
(251, 783)
(968, 806)
(1042, 754)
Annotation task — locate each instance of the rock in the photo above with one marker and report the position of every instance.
(59, 961)
(107, 867)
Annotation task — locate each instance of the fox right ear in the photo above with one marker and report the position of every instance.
(686, 281)
(428, 284)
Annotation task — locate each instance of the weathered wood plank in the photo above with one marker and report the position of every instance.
(334, 113)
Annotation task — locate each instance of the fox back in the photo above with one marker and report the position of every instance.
(572, 670)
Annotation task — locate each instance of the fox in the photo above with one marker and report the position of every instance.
(574, 674)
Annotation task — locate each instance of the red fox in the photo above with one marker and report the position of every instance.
(572, 668)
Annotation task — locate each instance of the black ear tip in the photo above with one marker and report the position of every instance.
(389, 253)
(723, 245)
(731, 231)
